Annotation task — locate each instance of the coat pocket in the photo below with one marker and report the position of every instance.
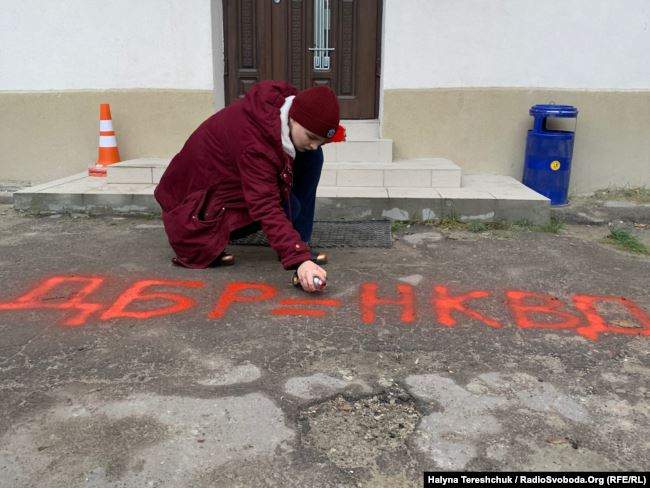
(209, 210)
(195, 228)
(198, 209)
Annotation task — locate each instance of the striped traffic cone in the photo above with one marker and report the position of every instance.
(108, 152)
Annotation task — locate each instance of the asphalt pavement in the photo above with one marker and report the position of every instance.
(453, 350)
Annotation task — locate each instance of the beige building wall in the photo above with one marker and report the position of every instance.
(484, 129)
(49, 135)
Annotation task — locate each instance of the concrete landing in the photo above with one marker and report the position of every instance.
(81, 193)
(483, 197)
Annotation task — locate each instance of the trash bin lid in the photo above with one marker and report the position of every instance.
(546, 110)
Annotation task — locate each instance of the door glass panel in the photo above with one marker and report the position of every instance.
(321, 47)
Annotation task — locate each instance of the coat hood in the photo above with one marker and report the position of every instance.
(262, 105)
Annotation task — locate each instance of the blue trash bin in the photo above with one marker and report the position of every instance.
(547, 165)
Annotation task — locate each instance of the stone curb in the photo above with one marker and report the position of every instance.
(6, 197)
(603, 212)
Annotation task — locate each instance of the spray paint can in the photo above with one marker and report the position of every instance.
(317, 281)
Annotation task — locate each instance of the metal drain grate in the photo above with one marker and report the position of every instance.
(337, 233)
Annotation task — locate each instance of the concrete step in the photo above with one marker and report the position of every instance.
(412, 173)
(361, 130)
(137, 171)
(482, 197)
(360, 151)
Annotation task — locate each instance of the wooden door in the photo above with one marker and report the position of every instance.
(307, 43)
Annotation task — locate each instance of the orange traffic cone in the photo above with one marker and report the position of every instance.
(108, 152)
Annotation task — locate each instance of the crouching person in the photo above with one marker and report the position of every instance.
(254, 164)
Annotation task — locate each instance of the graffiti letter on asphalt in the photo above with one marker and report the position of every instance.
(36, 298)
(368, 301)
(234, 292)
(135, 294)
(546, 305)
(444, 304)
(587, 305)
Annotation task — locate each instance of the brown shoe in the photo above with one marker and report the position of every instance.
(224, 259)
(319, 258)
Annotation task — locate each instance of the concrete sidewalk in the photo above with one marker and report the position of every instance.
(510, 350)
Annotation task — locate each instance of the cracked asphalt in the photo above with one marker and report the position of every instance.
(135, 380)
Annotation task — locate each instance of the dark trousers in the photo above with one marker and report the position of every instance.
(307, 168)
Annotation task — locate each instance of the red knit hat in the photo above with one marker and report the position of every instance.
(317, 110)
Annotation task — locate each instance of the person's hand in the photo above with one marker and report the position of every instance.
(306, 273)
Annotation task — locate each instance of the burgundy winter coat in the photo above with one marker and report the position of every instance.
(230, 172)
